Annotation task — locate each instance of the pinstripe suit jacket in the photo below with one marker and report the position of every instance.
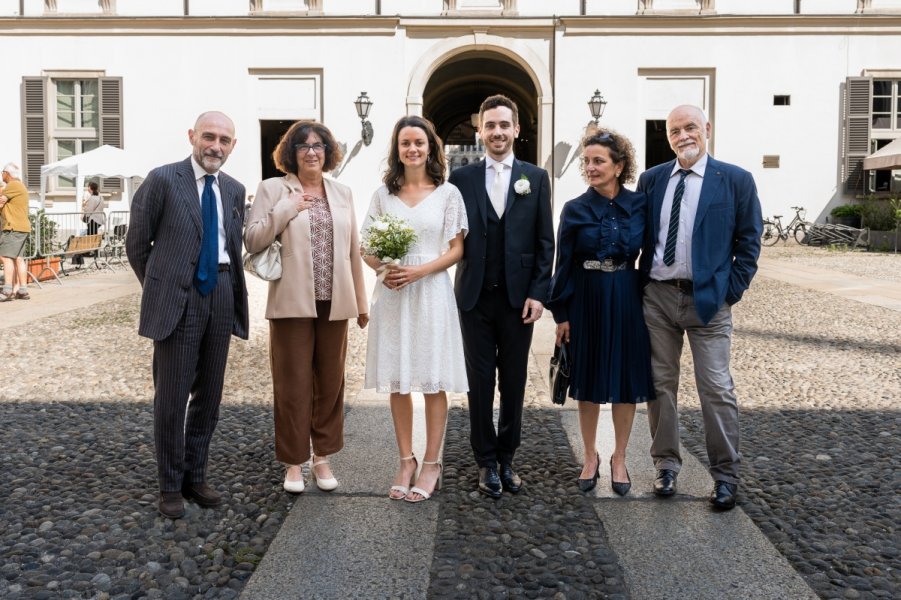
(163, 244)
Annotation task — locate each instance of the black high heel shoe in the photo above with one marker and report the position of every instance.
(586, 485)
(620, 488)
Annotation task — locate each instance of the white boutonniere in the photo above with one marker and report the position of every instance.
(522, 187)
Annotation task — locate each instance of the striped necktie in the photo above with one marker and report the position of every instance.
(669, 250)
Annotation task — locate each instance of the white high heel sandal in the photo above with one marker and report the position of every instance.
(418, 490)
(403, 490)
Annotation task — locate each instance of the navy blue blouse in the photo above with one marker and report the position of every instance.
(593, 227)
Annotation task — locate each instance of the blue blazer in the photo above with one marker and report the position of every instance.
(163, 242)
(726, 234)
(528, 235)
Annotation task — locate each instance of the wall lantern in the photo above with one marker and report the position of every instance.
(597, 104)
(363, 105)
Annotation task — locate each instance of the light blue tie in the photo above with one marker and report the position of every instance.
(208, 262)
(672, 232)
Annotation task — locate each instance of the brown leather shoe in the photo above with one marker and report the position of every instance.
(171, 505)
(202, 494)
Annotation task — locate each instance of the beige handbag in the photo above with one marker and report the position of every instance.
(265, 264)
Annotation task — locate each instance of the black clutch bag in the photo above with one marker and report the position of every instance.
(558, 374)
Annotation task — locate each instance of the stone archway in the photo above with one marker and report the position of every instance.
(457, 88)
(452, 78)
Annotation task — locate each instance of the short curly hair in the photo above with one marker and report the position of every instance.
(621, 151)
(285, 156)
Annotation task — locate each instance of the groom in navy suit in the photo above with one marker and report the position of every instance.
(699, 257)
(500, 285)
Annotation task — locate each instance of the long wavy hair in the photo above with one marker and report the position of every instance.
(435, 166)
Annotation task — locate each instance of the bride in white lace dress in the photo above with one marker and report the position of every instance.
(415, 344)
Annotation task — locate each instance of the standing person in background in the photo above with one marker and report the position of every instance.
(500, 286)
(92, 207)
(596, 300)
(16, 227)
(699, 257)
(184, 245)
(414, 342)
(321, 287)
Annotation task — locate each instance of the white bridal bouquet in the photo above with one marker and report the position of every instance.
(389, 238)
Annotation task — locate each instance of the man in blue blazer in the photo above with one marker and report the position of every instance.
(699, 257)
(184, 245)
(500, 285)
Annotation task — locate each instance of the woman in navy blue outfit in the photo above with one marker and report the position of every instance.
(595, 296)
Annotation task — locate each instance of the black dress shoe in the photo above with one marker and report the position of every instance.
(171, 505)
(665, 483)
(621, 488)
(723, 495)
(509, 479)
(586, 485)
(490, 482)
(202, 494)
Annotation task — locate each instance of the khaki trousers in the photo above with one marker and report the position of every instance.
(307, 359)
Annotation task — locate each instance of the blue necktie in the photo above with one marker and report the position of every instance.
(672, 232)
(208, 262)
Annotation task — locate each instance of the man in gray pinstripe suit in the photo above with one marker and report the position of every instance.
(189, 310)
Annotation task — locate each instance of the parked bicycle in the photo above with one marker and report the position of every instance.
(773, 231)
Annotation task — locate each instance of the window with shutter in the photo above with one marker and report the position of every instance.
(111, 123)
(66, 113)
(34, 131)
(856, 146)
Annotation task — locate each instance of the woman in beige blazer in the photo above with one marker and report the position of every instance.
(321, 287)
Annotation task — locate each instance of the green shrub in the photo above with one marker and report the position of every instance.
(47, 231)
(878, 214)
(846, 210)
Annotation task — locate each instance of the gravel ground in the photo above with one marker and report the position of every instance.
(819, 384)
(820, 391)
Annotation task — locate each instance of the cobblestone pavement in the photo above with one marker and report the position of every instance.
(819, 385)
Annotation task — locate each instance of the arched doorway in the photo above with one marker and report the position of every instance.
(456, 89)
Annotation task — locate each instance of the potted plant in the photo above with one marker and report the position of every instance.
(43, 233)
(846, 214)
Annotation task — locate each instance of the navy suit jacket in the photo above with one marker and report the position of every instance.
(528, 235)
(726, 234)
(163, 245)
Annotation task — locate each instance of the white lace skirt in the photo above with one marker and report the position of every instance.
(414, 343)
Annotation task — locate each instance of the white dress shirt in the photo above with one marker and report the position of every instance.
(199, 174)
(681, 268)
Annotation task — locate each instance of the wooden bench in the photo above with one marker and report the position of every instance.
(79, 245)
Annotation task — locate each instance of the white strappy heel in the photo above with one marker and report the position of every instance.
(403, 490)
(418, 490)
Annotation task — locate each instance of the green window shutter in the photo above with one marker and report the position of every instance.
(34, 131)
(111, 124)
(856, 132)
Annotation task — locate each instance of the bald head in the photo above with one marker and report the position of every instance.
(213, 139)
(687, 129)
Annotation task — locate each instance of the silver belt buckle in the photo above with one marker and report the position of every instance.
(608, 266)
(592, 265)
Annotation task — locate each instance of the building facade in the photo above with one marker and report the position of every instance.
(799, 91)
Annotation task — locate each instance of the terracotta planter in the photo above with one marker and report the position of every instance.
(37, 265)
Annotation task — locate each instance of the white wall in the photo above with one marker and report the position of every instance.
(892, 5)
(9, 8)
(219, 7)
(611, 7)
(348, 7)
(828, 7)
(78, 7)
(750, 7)
(543, 8)
(154, 8)
(412, 7)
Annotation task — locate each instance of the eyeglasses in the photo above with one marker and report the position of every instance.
(304, 148)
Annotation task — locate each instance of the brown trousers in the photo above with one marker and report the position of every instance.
(307, 359)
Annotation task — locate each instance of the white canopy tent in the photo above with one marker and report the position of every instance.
(105, 161)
